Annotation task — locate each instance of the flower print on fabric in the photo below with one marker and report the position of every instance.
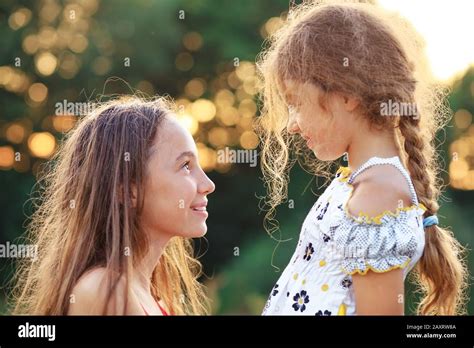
(301, 299)
(308, 252)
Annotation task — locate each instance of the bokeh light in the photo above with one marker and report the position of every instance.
(15, 133)
(184, 61)
(146, 87)
(192, 41)
(207, 157)
(7, 157)
(189, 122)
(229, 116)
(271, 26)
(64, 123)
(14, 80)
(19, 18)
(249, 140)
(101, 65)
(38, 92)
(69, 65)
(218, 137)
(42, 144)
(462, 118)
(45, 63)
(203, 110)
(195, 88)
(460, 173)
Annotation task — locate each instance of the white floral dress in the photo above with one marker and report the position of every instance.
(334, 245)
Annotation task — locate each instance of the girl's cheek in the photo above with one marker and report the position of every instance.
(187, 190)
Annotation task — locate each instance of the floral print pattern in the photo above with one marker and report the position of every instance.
(308, 252)
(301, 299)
(323, 211)
(318, 280)
(275, 290)
(326, 238)
(346, 283)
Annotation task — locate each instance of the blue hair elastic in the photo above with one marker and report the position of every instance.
(430, 221)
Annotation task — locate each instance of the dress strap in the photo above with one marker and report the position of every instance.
(395, 161)
(161, 309)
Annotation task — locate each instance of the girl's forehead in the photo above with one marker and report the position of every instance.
(173, 137)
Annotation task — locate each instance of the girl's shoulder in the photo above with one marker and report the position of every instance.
(377, 191)
(90, 295)
(376, 222)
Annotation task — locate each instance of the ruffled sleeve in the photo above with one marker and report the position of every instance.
(393, 243)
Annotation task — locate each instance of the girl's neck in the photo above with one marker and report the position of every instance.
(144, 271)
(371, 144)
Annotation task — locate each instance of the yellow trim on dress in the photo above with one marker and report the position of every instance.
(363, 217)
(345, 173)
(342, 309)
(368, 267)
(377, 220)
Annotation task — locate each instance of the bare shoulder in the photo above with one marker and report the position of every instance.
(90, 293)
(379, 189)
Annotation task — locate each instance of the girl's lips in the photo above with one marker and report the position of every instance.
(201, 212)
(200, 209)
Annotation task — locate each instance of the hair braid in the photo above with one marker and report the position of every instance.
(441, 272)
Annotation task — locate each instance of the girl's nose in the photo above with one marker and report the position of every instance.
(207, 186)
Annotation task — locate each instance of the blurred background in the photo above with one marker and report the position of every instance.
(202, 53)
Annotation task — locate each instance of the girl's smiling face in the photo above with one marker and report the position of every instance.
(176, 187)
(324, 122)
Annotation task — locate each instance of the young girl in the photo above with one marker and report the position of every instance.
(343, 76)
(124, 196)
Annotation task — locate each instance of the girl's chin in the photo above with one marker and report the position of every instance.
(197, 232)
(325, 156)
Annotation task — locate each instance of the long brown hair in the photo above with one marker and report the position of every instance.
(85, 217)
(359, 50)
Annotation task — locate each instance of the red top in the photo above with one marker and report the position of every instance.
(161, 309)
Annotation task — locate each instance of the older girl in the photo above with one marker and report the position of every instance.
(123, 199)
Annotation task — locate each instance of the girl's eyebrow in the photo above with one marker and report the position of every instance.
(185, 154)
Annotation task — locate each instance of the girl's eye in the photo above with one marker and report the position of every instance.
(186, 165)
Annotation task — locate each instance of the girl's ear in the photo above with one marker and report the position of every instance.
(133, 197)
(350, 103)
